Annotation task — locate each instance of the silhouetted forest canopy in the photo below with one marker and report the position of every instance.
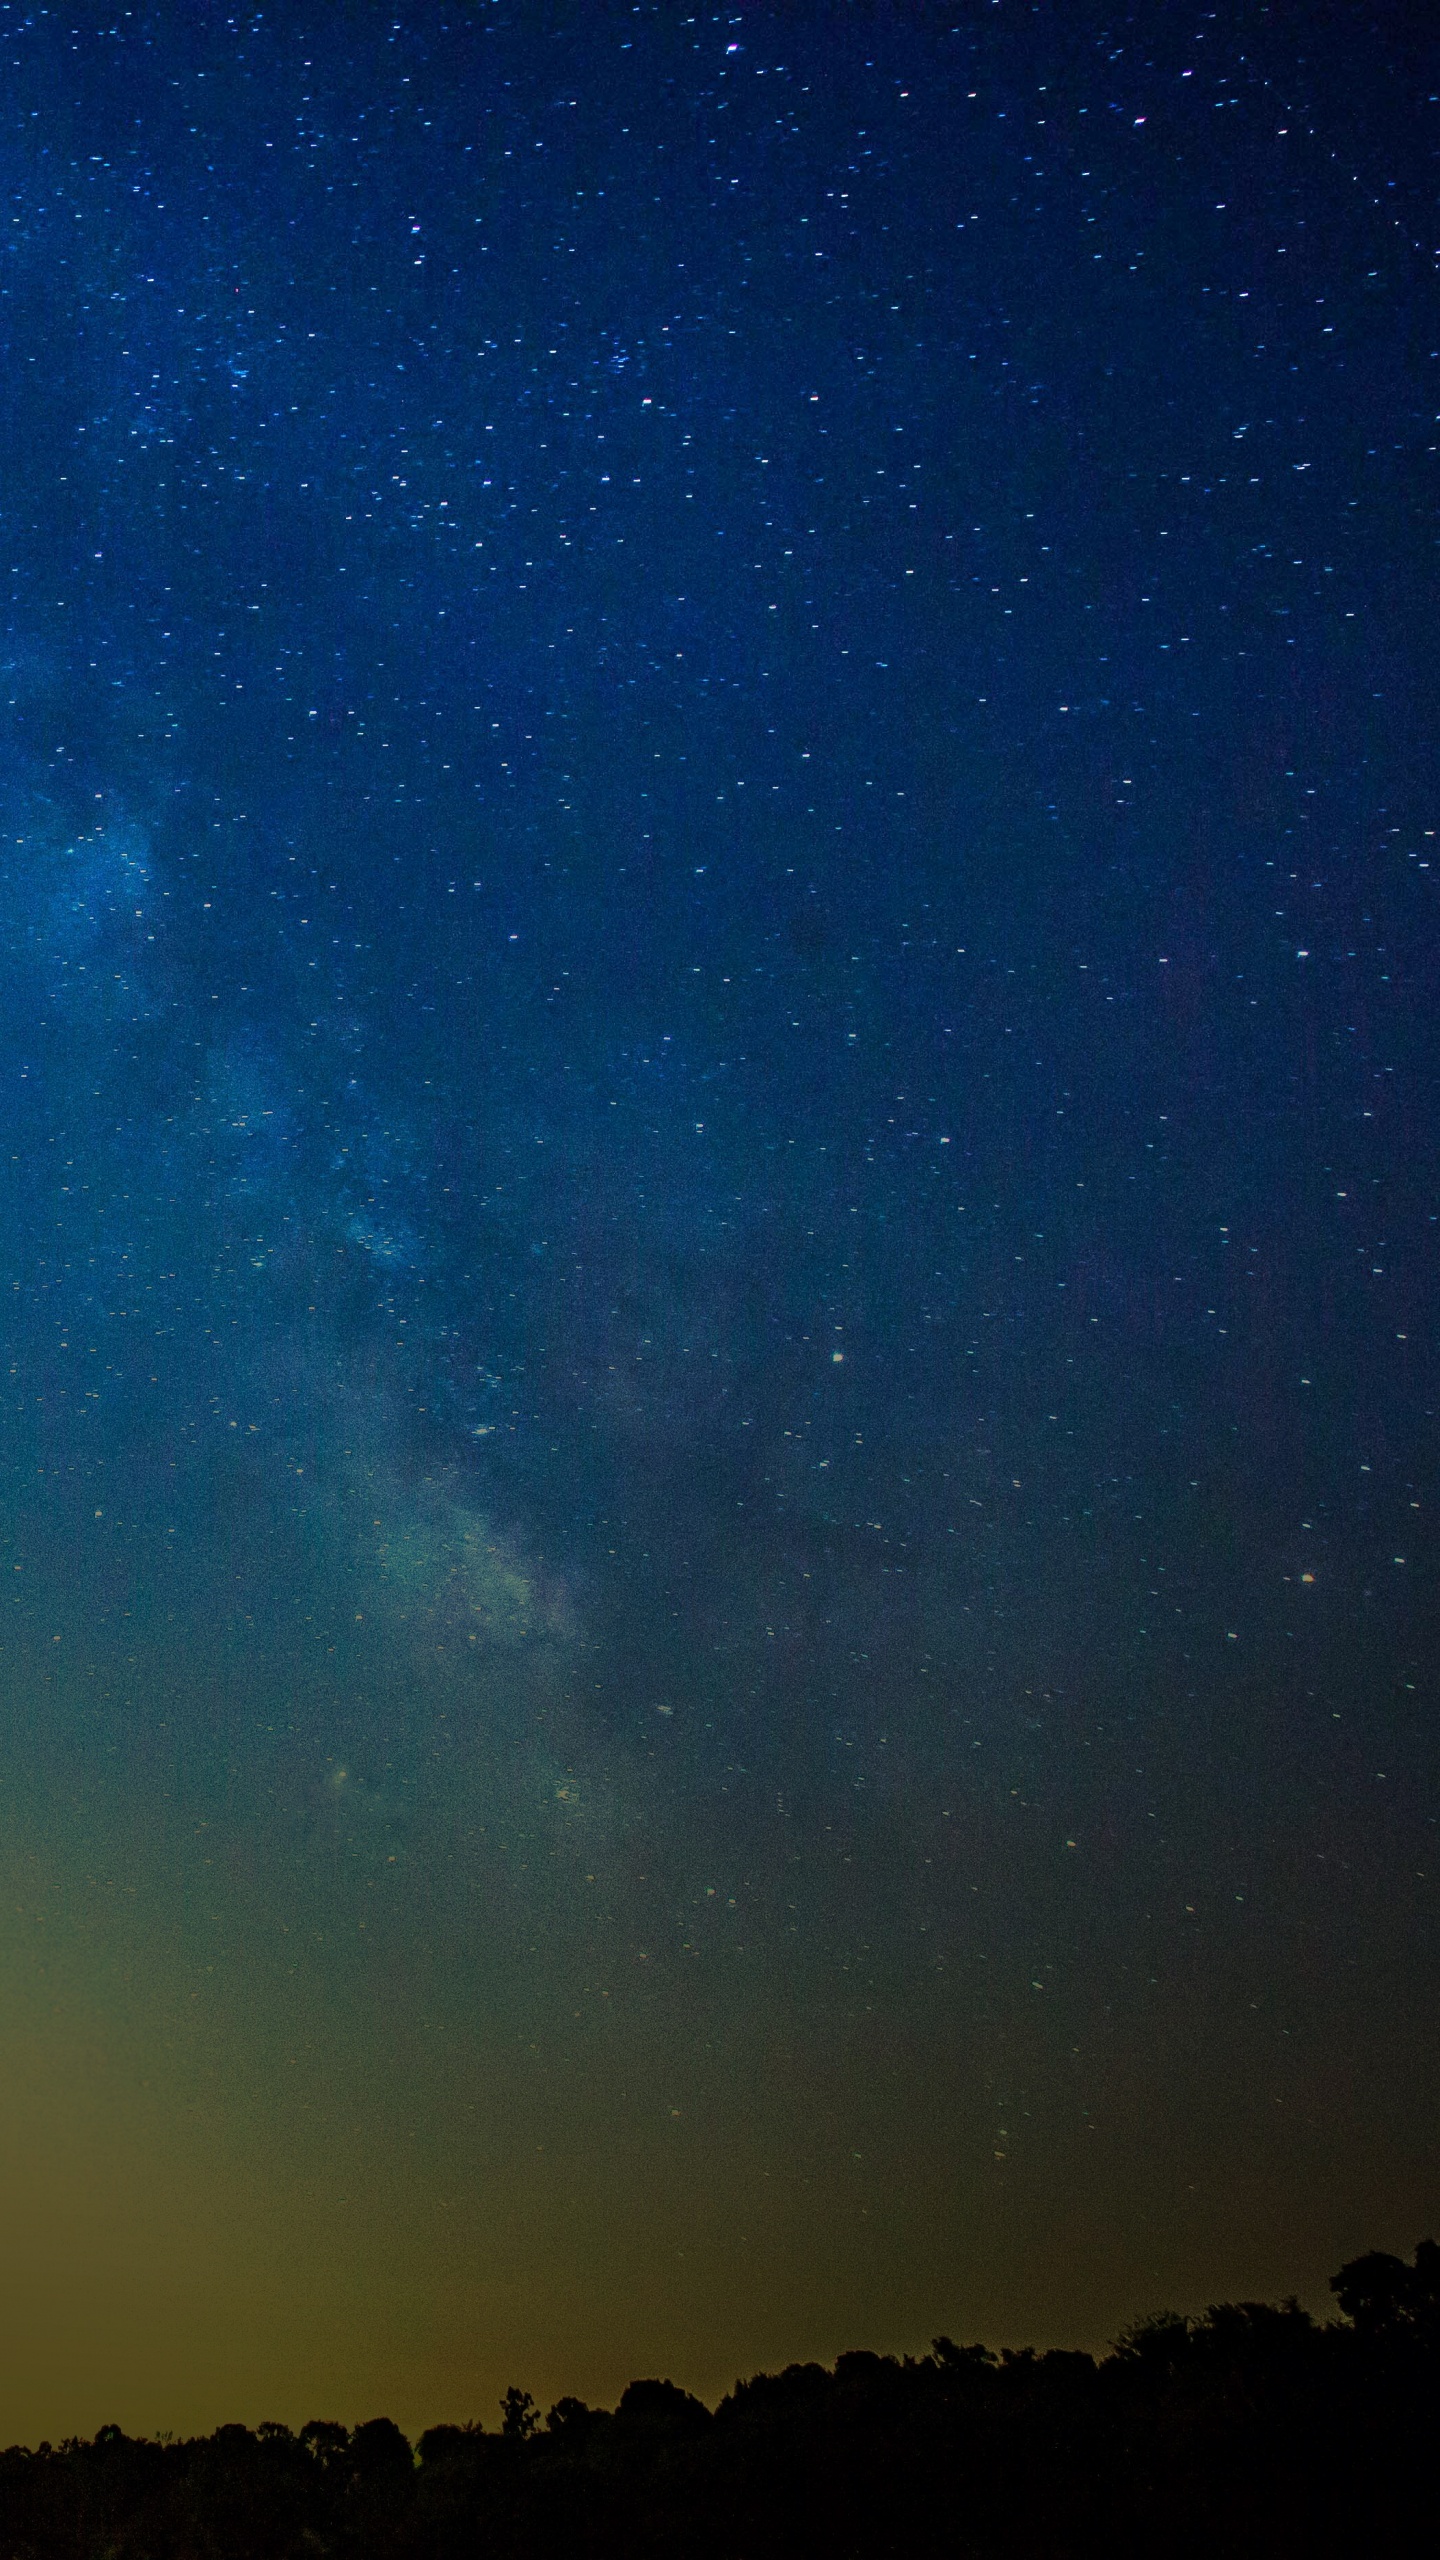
(1254, 2429)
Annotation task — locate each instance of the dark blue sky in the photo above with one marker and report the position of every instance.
(720, 1210)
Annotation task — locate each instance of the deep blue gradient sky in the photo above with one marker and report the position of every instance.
(719, 1196)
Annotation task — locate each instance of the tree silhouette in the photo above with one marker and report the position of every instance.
(570, 2417)
(520, 2416)
(1248, 2429)
(1386, 2300)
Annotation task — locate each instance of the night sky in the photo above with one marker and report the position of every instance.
(721, 1009)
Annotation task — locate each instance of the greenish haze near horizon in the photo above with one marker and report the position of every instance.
(717, 1190)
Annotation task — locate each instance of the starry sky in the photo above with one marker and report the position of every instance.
(718, 1204)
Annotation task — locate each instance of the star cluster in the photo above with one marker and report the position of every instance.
(719, 1203)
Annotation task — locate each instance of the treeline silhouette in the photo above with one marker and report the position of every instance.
(1252, 2430)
